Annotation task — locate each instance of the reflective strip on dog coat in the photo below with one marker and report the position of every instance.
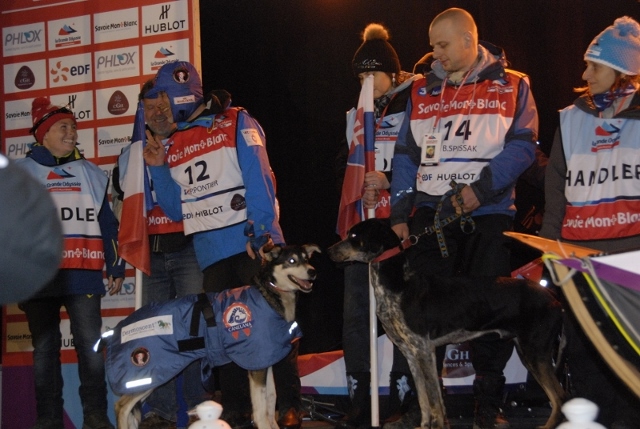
(156, 342)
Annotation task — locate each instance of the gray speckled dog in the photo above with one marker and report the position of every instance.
(420, 314)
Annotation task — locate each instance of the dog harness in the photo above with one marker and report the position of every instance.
(156, 342)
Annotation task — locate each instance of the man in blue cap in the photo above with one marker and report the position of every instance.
(215, 177)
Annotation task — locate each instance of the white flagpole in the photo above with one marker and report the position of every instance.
(138, 297)
(367, 88)
(373, 349)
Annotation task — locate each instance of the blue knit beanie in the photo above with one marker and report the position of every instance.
(618, 46)
(181, 81)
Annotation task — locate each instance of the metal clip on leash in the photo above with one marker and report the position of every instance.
(465, 218)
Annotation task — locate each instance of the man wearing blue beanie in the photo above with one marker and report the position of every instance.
(215, 177)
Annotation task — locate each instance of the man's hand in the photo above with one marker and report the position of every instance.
(469, 201)
(373, 182)
(401, 230)
(115, 285)
(264, 249)
(153, 153)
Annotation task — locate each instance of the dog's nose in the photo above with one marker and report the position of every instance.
(312, 273)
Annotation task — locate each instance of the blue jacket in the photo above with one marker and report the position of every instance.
(156, 342)
(81, 282)
(215, 245)
(496, 183)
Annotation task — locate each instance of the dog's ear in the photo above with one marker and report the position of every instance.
(310, 248)
(273, 253)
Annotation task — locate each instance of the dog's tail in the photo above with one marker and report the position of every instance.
(559, 362)
(128, 411)
(562, 343)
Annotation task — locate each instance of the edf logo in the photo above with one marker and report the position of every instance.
(70, 70)
(80, 70)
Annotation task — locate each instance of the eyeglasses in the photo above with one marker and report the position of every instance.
(64, 110)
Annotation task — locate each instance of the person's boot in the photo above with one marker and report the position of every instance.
(400, 392)
(409, 415)
(49, 405)
(359, 385)
(97, 420)
(487, 392)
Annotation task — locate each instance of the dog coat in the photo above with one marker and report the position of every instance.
(156, 342)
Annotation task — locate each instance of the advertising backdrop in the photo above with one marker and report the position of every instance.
(93, 57)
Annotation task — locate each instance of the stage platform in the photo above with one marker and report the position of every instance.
(524, 411)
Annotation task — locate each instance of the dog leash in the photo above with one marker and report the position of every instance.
(405, 244)
(465, 219)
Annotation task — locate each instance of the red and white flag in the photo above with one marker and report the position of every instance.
(360, 160)
(133, 239)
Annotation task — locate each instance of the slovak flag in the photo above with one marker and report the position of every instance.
(133, 239)
(360, 160)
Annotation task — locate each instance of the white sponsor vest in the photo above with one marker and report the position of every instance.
(472, 121)
(78, 189)
(204, 162)
(602, 185)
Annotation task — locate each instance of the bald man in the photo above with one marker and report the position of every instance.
(483, 122)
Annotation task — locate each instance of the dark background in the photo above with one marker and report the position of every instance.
(288, 62)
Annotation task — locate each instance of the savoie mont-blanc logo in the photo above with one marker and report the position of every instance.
(607, 137)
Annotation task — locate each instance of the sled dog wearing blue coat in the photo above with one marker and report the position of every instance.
(253, 326)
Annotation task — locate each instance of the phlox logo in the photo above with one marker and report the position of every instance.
(116, 63)
(23, 39)
(128, 288)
